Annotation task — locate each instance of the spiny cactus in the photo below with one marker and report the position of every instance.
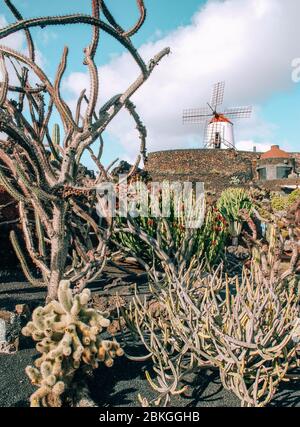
(280, 202)
(254, 330)
(55, 142)
(173, 237)
(68, 336)
(273, 236)
(246, 329)
(231, 202)
(64, 241)
(294, 197)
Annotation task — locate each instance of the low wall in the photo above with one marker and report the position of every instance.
(218, 169)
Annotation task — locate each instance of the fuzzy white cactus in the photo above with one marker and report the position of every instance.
(67, 332)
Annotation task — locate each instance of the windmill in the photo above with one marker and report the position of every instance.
(218, 125)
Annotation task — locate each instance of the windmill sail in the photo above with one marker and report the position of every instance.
(239, 112)
(218, 125)
(196, 115)
(217, 95)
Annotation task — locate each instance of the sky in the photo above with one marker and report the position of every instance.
(252, 45)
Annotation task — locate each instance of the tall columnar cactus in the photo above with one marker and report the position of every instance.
(57, 198)
(55, 141)
(68, 335)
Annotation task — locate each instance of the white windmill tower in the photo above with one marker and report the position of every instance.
(218, 125)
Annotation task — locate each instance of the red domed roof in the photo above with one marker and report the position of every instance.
(220, 118)
(275, 153)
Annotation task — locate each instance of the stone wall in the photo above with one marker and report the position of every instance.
(279, 184)
(296, 156)
(218, 169)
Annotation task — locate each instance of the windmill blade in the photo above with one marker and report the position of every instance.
(238, 112)
(217, 95)
(196, 115)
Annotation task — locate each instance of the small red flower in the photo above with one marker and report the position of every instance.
(150, 222)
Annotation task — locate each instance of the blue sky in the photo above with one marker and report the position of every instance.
(283, 109)
(163, 16)
(255, 62)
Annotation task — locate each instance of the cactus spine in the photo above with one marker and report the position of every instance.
(67, 332)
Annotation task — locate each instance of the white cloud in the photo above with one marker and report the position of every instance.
(250, 145)
(47, 36)
(14, 41)
(17, 41)
(249, 44)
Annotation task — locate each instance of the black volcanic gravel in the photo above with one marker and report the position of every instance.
(114, 387)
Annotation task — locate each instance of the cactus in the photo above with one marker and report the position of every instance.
(65, 241)
(68, 335)
(230, 203)
(206, 242)
(245, 328)
(275, 235)
(20, 255)
(55, 142)
(294, 197)
(254, 332)
(280, 202)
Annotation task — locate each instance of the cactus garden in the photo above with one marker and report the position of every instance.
(177, 297)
